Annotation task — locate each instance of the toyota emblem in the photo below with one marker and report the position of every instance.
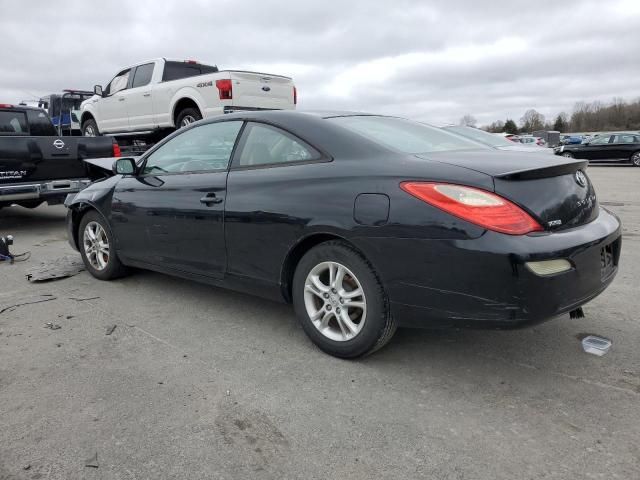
(59, 144)
(581, 178)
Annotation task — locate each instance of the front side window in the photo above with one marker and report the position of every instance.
(404, 135)
(143, 75)
(200, 149)
(267, 145)
(600, 140)
(119, 82)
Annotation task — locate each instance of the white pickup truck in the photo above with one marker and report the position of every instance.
(167, 94)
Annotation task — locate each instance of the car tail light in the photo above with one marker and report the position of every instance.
(474, 205)
(225, 89)
(116, 150)
(295, 96)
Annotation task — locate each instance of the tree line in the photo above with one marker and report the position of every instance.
(586, 117)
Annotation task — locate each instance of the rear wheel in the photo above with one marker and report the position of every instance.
(96, 245)
(340, 301)
(567, 154)
(187, 117)
(90, 128)
(635, 159)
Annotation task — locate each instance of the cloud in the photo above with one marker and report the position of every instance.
(433, 61)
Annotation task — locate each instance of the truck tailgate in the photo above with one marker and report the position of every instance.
(261, 90)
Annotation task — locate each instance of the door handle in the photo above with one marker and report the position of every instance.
(121, 99)
(210, 198)
(146, 95)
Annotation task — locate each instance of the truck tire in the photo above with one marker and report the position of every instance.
(90, 128)
(187, 116)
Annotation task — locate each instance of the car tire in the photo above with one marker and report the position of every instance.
(322, 306)
(567, 155)
(90, 128)
(187, 117)
(94, 235)
(635, 159)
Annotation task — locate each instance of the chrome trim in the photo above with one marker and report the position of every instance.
(10, 193)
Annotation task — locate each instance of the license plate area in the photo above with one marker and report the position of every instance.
(608, 260)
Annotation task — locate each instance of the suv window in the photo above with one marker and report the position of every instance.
(143, 75)
(602, 140)
(625, 139)
(267, 145)
(200, 149)
(13, 122)
(118, 83)
(177, 70)
(40, 124)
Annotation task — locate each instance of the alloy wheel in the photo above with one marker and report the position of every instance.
(96, 245)
(635, 159)
(335, 301)
(187, 120)
(89, 131)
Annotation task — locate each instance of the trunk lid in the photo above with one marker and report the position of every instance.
(261, 90)
(555, 191)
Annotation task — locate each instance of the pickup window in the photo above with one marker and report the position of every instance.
(178, 70)
(143, 75)
(12, 123)
(40, 125)
(119, 82)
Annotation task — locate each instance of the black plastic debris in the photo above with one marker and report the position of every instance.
(110, 329)
(92, 462)
(56, 269)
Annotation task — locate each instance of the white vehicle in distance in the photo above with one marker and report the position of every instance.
(495, 140)
(167, 94)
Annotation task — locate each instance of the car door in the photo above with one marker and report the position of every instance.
(270, 168)
(139, 98)
(600, 148)
(112, 107)
(171, 213)
(625, 144)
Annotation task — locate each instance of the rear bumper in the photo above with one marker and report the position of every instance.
(42, 191)
(484, 282)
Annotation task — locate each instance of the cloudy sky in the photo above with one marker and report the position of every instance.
(429, 60)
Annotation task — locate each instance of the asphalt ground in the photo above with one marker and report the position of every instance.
(197, 382)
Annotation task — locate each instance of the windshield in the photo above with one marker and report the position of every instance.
(405, 135)
(480, 136)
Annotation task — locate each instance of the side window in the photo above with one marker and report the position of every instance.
(624, 139)
(40, 124)
(603, 140)
(119, 82)
(143, 75)
(13, 122)
(200, 149)
(267, 145)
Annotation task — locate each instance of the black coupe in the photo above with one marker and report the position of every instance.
(610, 147)
(363, 222)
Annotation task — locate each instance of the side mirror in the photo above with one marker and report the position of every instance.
(124, 166)
(97, 89)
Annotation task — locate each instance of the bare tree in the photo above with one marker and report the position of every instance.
(469, 120)
(531, 121)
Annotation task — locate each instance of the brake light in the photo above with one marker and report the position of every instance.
(192, 62)
(116, 150)
(225, 89)
(474, 205)
(295, 96)
(6, 105)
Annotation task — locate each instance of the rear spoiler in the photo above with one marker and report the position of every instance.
(544, 172)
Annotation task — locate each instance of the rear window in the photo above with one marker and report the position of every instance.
(480, 136)
(405, 135)
(39, 124)
(12, 123)
(177, 70)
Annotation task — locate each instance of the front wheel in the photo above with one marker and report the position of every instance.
(567, 155)
(90, 129)
(340, 301)
(635, 159)
(97, 248)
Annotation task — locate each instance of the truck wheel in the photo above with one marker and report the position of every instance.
(97, 247)
(187, 117)
(340, 301)
(90, 129)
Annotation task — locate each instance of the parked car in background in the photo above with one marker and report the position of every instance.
(570, 140)
(494, 140)
(38, 165)
(530, 140)
(168, 94)
(609, 147)
(363, 222)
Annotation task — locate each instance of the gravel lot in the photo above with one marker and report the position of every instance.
(197, 382)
